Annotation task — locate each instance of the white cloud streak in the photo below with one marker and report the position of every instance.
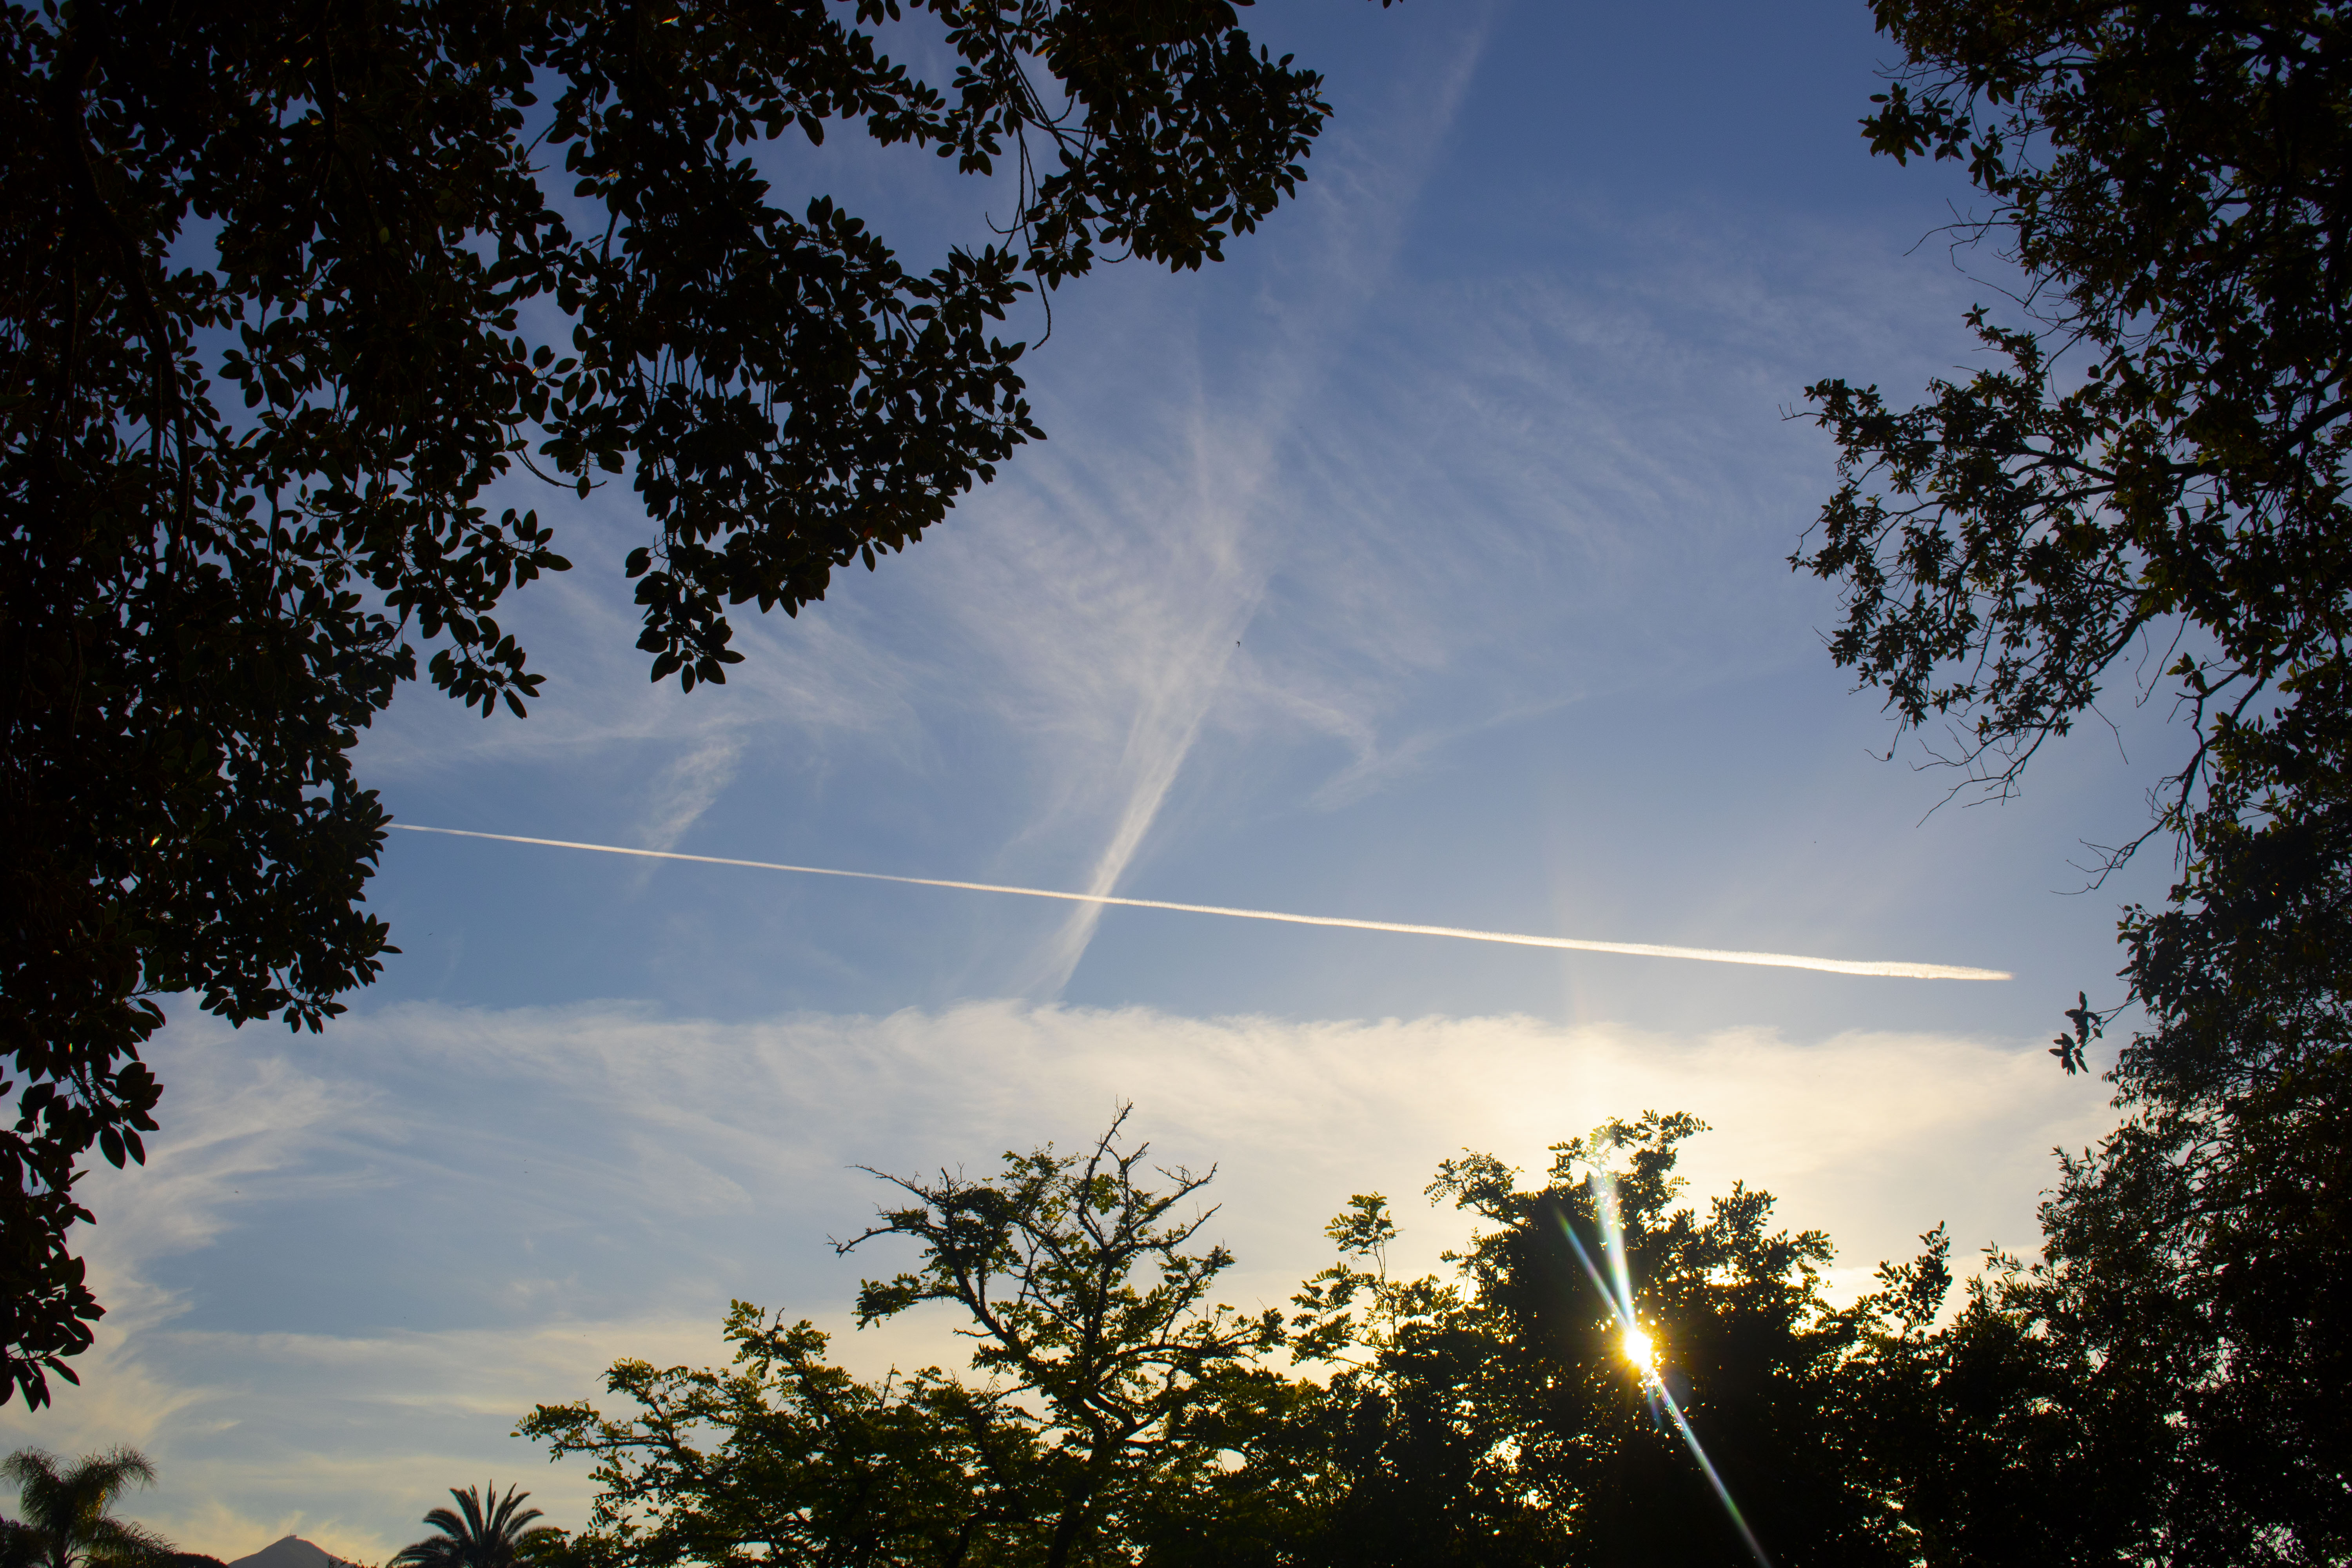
(1888, 969)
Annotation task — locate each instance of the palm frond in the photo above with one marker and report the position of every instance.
(485, 1530)
(67, 1523)
(116, 1543)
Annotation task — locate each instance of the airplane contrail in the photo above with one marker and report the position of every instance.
(1891, 969)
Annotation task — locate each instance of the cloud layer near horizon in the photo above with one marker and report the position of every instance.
(454, 1212)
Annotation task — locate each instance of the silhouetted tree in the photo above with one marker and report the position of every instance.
(67, 1521)
(2172, 181)
(2155, 463)
(484, 1530)
(1111, 1386)
(783, 1458)
(1082, 1295)
(1495, 1418)
(1506, 1417)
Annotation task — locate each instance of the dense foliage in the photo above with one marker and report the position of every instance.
(1113, 1414)
(1106, 1375)
(286, 286)
(1499, 1417)
(2154, 463)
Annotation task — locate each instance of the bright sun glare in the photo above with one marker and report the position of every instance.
(1639, 1350)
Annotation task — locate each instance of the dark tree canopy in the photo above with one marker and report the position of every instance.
(1086, 1292)
(273, 282)
(2154, 463)
(1114, 1415)
(1107, 1382)
(1498, 1418)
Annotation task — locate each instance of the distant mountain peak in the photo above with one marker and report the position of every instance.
(292, 1551)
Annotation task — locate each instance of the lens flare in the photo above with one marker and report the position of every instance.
(1640, 1348)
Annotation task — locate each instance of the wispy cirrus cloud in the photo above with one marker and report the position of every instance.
(1334, 554)
(1115, 589)
(1091, 601)
(688, 786)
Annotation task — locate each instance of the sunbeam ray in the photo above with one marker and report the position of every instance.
(1619, 1293)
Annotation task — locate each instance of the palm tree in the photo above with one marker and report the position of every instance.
(66, 1523)
(499, 1539)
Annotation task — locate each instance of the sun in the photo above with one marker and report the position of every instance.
(1639, 1349)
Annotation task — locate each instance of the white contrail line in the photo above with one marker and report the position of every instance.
(1890, 969)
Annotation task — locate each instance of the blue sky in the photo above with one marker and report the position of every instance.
(1425, 562)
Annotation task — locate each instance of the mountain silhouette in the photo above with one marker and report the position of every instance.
(292, 1551)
